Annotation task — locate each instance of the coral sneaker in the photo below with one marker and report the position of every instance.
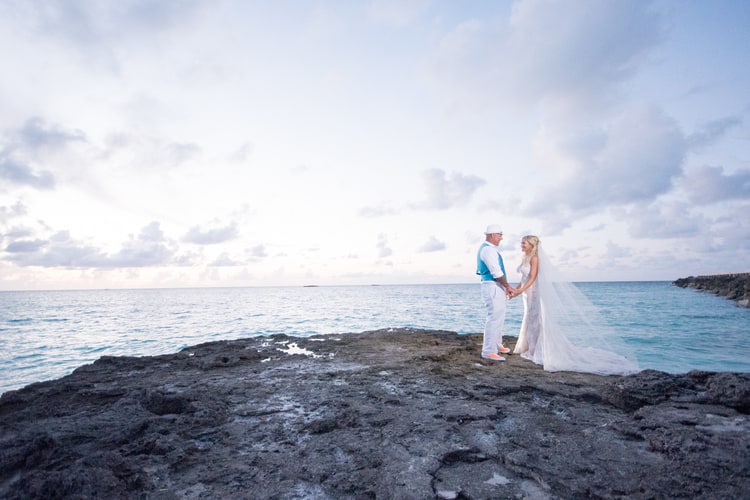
(493, 357)
(504, 350)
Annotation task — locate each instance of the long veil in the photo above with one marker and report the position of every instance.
(576, 337)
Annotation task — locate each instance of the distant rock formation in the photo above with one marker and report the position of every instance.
(388, 414)
(732, 286)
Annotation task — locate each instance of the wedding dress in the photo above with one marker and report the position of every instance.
(562, 330)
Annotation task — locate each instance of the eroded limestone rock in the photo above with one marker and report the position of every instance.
(387, 414)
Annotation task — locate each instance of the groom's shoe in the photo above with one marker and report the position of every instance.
(493, 357)
(504, 350)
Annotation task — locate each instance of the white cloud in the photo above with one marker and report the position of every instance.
(377, 211)
(432, 245)
(224, 260)
(634, 159)
(149, 248)
(712, 132)
(18, 173)
(577, 55)
(87, 26)
(615, 251)
(26, 151)
(382, 246)
(710, 185)
(37, 136)
(212, 236)
(570, 57)
(258, 252)
(444, 192)
(732, 233)
(10, 212)
(665, 220)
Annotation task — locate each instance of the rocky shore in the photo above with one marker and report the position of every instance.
(732, 286)
(389, 414)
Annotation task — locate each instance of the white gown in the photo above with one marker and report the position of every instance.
(562, 331)
(528, 345)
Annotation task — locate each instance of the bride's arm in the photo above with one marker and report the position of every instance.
(532, 276)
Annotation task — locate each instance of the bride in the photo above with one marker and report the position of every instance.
(561, 330)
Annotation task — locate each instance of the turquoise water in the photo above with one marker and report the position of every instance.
(45, 335)
(675, 329)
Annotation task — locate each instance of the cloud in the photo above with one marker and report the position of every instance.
(377, 211)
(25, 246)
(243, 153)
(211, 236)
(258, 252)
(148, 153)
(699, 89)
(382, 246)
(615, 251)
(632, 160)
(706, 185)
(712, 132)
(578, 52)
(23, 175)
(57, 251)
(149, 248)
(36, 134)
(732, 232)
(569, 56)
(432, 245)
(443, 193)
(224, 260)
(19, 232)
(571, 63)
(665, 220)
(178, 153)
(440, 191)
(75, 21)
(299, 169)
(34, 143)
(13, 211)
(103, 36)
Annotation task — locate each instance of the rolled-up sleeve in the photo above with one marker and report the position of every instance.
(491, 257)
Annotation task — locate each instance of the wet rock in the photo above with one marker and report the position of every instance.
(388, 414)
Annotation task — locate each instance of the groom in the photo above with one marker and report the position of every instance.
(495, 291)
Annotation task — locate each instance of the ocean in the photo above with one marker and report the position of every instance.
(47, 334)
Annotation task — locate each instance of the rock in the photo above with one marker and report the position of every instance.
(387, 414)
(732, 286)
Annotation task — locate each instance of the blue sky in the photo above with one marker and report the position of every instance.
(242, 143)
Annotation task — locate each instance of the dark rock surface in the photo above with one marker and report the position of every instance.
(388, 414)
(732, 286)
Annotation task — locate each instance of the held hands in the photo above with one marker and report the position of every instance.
(511, 292)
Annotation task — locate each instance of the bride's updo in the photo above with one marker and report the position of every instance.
(534, 242)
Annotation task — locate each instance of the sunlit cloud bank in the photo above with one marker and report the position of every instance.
(150, 144)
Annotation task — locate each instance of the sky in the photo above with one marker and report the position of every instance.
(205, 143)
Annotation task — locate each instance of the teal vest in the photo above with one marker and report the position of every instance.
(482, 268)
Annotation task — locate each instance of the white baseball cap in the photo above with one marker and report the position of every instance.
(494, 229)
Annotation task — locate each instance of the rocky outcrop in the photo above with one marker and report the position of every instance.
(732, 286)
(387, 414)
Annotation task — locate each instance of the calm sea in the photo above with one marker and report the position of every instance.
(45, 335)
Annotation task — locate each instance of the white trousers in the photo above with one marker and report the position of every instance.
(494, 299)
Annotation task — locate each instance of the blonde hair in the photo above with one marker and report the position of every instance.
(534, 242)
